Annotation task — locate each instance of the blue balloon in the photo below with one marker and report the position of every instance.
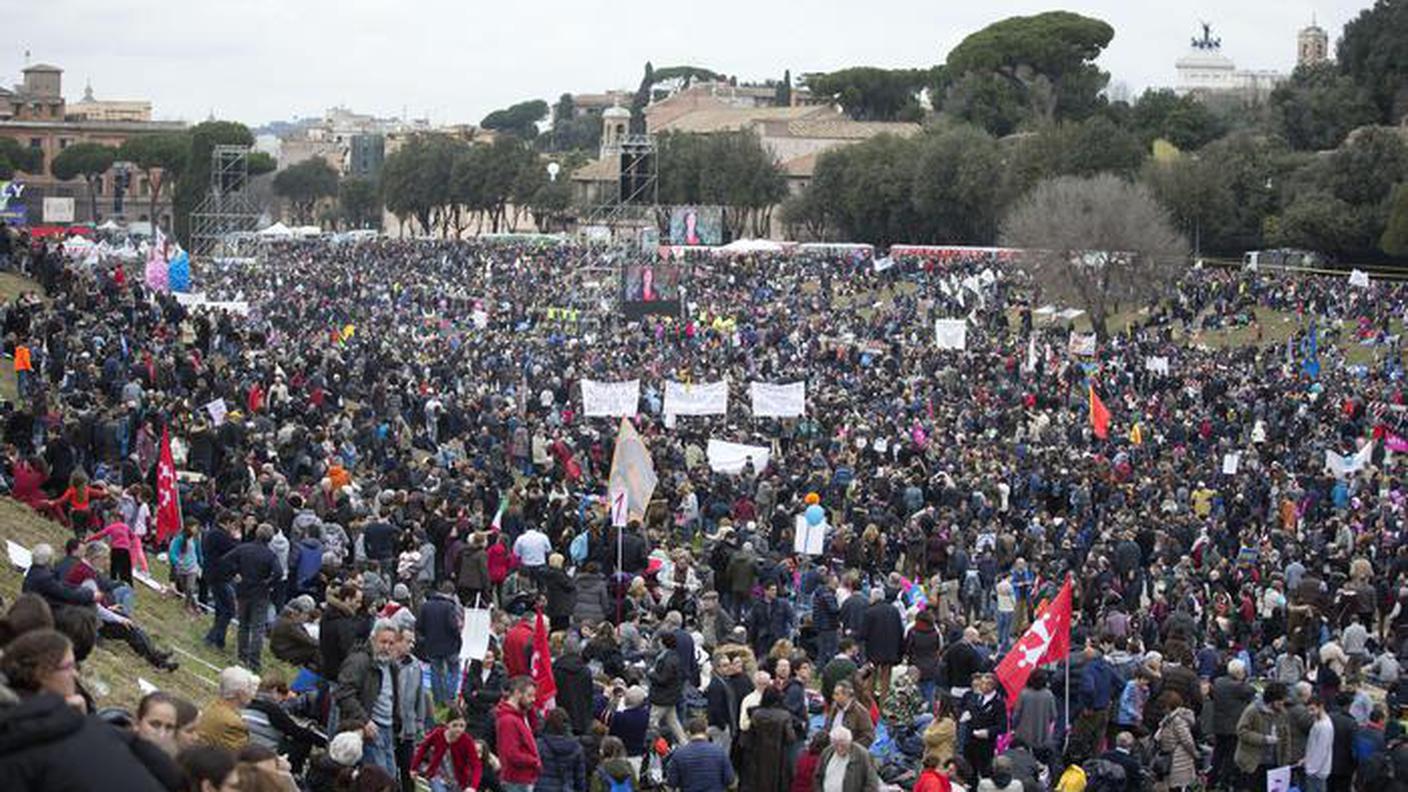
(815, 514)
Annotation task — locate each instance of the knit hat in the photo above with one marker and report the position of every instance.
(302, 604)
(346, 748)
(401, 593)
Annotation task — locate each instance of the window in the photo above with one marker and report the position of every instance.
(36, 143)
(63, 143)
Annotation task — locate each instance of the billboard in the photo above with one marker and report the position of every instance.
(697, 225)
(12, 209)
(58, 210)
(650, 287)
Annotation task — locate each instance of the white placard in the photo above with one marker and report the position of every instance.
(1359, 279)
(19, 555)
(147, 580)
(951, 333)
(1230, 463)
(145, 687)
(1278, 779)
(726, 457)
(1157, 365)
(706, 398)
(778, 401)
(474, 636)
(1346, 466)
(1082, 344)
(58, 210)
(610, 399)
(218, 411)
(809, 539)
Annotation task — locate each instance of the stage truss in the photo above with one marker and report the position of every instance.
(225, 220)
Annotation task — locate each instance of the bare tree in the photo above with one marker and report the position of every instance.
(1099, 242)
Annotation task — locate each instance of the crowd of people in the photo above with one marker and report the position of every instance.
(399, 443)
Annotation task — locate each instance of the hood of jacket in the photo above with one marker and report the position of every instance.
(558, 747)
(37, 720)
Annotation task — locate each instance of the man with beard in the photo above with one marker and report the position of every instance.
(368, 692)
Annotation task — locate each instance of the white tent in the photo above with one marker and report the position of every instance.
(276, 231)
(304, 232)
(752, 246)
(109, 225)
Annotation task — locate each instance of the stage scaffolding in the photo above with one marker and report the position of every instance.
(224, 222)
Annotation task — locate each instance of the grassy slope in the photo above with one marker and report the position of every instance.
(113, 664)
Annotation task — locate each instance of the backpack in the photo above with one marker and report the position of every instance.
(1103, 775)
(578, 548)
(612, 784)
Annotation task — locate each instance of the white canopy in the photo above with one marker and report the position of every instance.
(109, 225)
(303, 232)
(276, 231)
(752, 246)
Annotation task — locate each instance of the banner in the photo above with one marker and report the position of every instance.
(1359, 279)
(778, 401)
(1230, 463)
(610, 399)
(1156, 365)
(951, 333)
(709, 398)
(632, 472)
(726, 457)
(1082, 344)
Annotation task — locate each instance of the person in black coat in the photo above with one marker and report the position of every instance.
(961, 661)
(921, 649)
(42, 735)
(882, 635)
(987, 719)
(561, 593)
(257, 568)
(342, 626)
(574, 687)
(667, 688)
(480, 691)
(41, 579)
(215, 544)
(852, 612)
(438, 627)
(1123, 755)
(1342, 764)
(769, 621)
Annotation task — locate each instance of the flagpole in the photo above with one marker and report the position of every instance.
(1066, 739)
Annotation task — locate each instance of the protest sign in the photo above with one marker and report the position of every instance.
(610, 399)
(778, 401)
(706, 398)
(951, 333)
(726, 457)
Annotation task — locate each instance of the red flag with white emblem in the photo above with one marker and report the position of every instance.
(1048, 640)
(542, 665)
(168, 497)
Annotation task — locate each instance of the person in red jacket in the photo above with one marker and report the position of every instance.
(519, 763)
(518, 647)
(464, 768)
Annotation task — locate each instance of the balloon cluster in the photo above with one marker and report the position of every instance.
(814, 513)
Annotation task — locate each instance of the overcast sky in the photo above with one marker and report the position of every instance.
(455, 60)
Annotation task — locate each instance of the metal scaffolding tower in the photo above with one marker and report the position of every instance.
(637, 201)
(222, 223)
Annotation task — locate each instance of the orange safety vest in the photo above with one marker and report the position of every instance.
(22, 358)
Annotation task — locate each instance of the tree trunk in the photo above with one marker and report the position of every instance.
(154, 185)
(1098, 324)
(92, 198)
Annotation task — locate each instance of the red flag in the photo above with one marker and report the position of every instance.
(542, 665)
(1048, 640)
(168, 498)
(1099, 416)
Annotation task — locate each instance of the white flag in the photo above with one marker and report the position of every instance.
(707, 398)
(951, 333)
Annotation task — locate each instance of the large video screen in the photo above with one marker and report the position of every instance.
(650, 287)
(697, 225)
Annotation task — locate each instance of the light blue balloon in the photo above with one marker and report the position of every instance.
(815, 514)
